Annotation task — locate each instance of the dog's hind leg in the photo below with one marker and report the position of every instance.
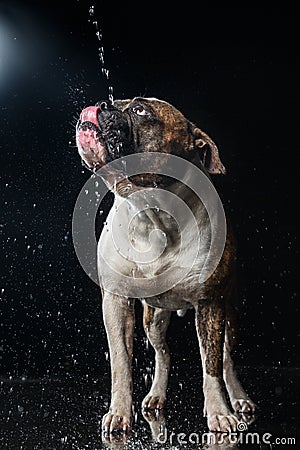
(239, 399)
(156, 322)
(210, 324)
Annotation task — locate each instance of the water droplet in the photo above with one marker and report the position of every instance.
(105, 72)
(146, 376)
(101, 55)
(110, 94)
(99, 35)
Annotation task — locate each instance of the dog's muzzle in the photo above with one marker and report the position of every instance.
(102, 134)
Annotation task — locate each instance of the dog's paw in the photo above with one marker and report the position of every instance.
(115, 440)
(244, 406)
(156, 421)
(114, 423)
(153, 402)
(222, 423)
(246, 418)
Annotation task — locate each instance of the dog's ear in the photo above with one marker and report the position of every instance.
(210, 158)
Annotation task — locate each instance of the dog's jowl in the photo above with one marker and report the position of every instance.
(106, 133)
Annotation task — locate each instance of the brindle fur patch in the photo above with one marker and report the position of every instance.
(148, 315)
(210, 323)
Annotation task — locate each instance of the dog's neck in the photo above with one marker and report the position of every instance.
(123, 186)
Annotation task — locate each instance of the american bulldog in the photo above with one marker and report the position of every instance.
(109, 131)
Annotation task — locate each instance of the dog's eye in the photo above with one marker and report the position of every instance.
(140, 110)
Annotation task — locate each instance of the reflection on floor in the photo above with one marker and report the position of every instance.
(65, 414)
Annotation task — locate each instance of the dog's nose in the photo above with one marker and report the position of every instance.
(104, 104)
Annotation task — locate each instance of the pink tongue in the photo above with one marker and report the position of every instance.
(90, 114)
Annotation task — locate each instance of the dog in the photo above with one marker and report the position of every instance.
(111, 130)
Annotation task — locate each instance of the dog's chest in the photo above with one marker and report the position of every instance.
(156, 238)
(169, 249)
(152, 244)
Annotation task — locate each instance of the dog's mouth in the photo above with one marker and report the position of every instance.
(100, 134)
(89, 141)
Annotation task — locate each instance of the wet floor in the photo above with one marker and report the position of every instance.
(65, 413)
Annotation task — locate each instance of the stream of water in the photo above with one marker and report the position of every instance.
(99, 36)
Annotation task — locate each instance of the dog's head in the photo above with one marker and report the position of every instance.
(108, 131)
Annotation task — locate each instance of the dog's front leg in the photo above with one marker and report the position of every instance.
(210, 323)
(156, 322)
(118, 314)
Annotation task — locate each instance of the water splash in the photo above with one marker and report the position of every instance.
(99, 37)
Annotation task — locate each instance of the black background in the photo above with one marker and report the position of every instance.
(232, 71)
